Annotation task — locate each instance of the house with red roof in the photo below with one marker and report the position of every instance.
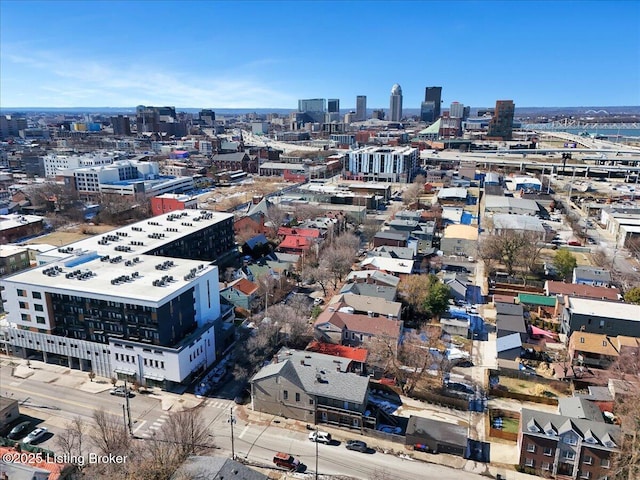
(358, 356)
(240, 293)
(33, 467)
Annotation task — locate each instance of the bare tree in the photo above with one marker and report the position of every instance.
(71, 439)
(274, 219)
(412, 193)
(337, 260)
(318, 274)
(109, 435)
(369, 228)
(504, 247)
(294, 325)
(348, 241)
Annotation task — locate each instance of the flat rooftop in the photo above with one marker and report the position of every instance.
(117, 264)
(599, 308)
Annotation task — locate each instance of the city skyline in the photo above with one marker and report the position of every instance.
(117, 54)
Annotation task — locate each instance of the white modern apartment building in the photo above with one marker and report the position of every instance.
(383, 164)
(53, 163)
(141, 302)
(129, 177)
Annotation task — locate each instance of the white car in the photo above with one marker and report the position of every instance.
(320, 437)
(36, 435)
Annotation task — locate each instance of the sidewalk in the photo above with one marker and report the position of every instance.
(70, 378)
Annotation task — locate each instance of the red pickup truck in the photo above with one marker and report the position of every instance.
(286, 461)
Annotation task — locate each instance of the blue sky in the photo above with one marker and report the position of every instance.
(268, 54)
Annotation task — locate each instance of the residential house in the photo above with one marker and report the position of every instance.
(343, 328)
(250, 225)
(403, 225)
(457, 288)
(557, 445)
(560, 289)
(312, 388)
(256, 247)
(597, 277)
(598, 316)
(358, 356)
(374, 277)
(394, 266)
(598, 350)
(391, 238)
(460, 240)
(214, 467)
(241, 293)
(392, 252)
(452, 196)
(370, 290)
(509, 346)
(372, 306)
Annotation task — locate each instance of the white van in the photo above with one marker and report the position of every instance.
(321, 437)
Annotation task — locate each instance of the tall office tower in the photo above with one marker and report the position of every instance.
(501, 124)
(466, 112)
(434, 94)
(456, 110)
(395, 104)
(333, 105)
(208, 117)
(427, 112)
(313, 110)
(121, 125)
(361, 108)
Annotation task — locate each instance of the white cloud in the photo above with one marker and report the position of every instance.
(61, 81)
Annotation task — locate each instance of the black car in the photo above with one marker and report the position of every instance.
(357, 445)
(20, 430)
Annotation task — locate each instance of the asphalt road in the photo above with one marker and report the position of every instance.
(52, 406)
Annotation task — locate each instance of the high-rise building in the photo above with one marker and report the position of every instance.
(208, 117)
(466, 112)
(333, 105)
(159, 120)
(501, 124)
(361, 108)
(383, 164)
(434, 94)
(121, 125)
(395, 104)
(313, 110)
(456, 110)
(427, 112)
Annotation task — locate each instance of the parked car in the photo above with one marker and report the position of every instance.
(320, 437)
(36, 435)
(357, 445)
(574, 243)
(19, 430)
(121, 392)
(286, 460)
(460, 387)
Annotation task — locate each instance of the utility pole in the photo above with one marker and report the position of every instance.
(316, 452)
(126, 399)
(232, 420)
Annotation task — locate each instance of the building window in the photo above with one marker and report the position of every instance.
(297, 397)
(605, 463)
(311, 401)
(588, 460)
(529, 462)
(40, 320)
(531, 448)
(548, 451)
(25, 317)
(586, 474)
(22, 293)
(570, 440)
(546, 466)
(285, 395)
(23, 305)
(38, 308)
(569, 455)
(36, 295)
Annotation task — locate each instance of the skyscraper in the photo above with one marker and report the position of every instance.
(434, 94)
(501, 124)
(456, 110)
(427, 112)
(395, 104)
(313, 109)
(361, 108)
(333, 105)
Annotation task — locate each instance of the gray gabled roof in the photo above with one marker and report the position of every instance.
(509, 308)
(319, 378)
(213, 467)
(577, 407)
(392, 252)
(375, 275)
(594, 434)
(508, 342)
(371, 290)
